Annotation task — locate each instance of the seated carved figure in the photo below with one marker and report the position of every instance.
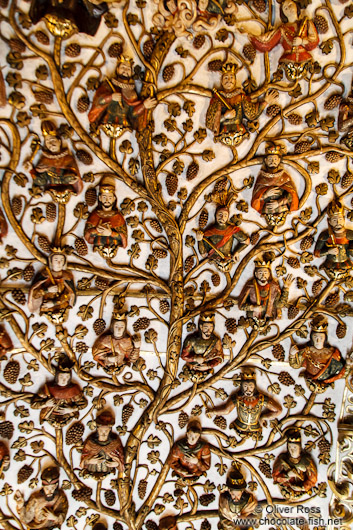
(46, 508)
(335, 243)
(56, 171)
(253, 408)
(323, 363)
(60, 400)
(103, 451)
(236, 503)
(294, 471)
(190, 457)
(53, 291)
(4, 458)
(116, 348)
(297, 36)
(261, 297)
(345, 120)
(274, 193)
(202, 350)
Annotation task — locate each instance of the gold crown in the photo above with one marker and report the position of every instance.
(261, 263)
(125, 59)
(274, 149)
(335, 207)
(319, 323)
(294, 435)
(48, 128)
(107, 184)
(248, 375)
(57, 250)
(118, 315)
(230, 68)
(206, 317)
(64, 364)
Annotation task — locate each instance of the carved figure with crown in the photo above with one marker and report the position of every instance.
(274, 194)
(103, 451)
(56, 171)
(106, 227)
(294, 471)
(190, 457)
(236, 502)
(53, 291)
(116, 348)
(335, 243)
(116, 107)
(222, 241)
(298, 37)
(229, 109)
(202, 350)
(262, 297)
(345, 120)
(253, 407)
(66, 17)
(323, 363)
(45, 508)
(60, 400)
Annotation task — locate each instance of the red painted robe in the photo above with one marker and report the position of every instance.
(57, 172)
(285, 35)
(5, 341)
(180, 464)
(65, 396)
(108, 346)
(129, 114)
(266, 297)
(266, 180)
(3, 226)
(93, 448)
(115, 220)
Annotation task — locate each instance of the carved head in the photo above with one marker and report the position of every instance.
(50, 481)
(124, 67)
(104, 423)
(294, 443)
(206, 325)
(57, 261)
(236, 483)
(289, 11)
(193, 432)
(52, 140)
(222, 215)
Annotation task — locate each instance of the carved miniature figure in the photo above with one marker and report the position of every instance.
(5, 342)
(116, 107)
(230, 107)
(105, 227)
(60, 400)
(66, 17)
(116, 348)
(236, 503)
(190, 457)
(202, 350)
(46, 508)
(253, 408)
(298, 37)
(323, 363)
(103, 451)
(345, 120)
(294, 470)
(274, 193)
(261, 297)
(3, 226)
(53, 290)
(222, 241)
(56, 171)
(4, 458)
(335, 243)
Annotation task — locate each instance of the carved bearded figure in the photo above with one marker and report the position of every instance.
(253, 408)
(294, 471)
(274, 193)
(202, 350)
(236, 503)
(46, 508)
(229, 109)
(261, 297)
(116, 107)
(297, 36)
(335, 243)
(106, 227)
(323, 363)
(190, 457)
